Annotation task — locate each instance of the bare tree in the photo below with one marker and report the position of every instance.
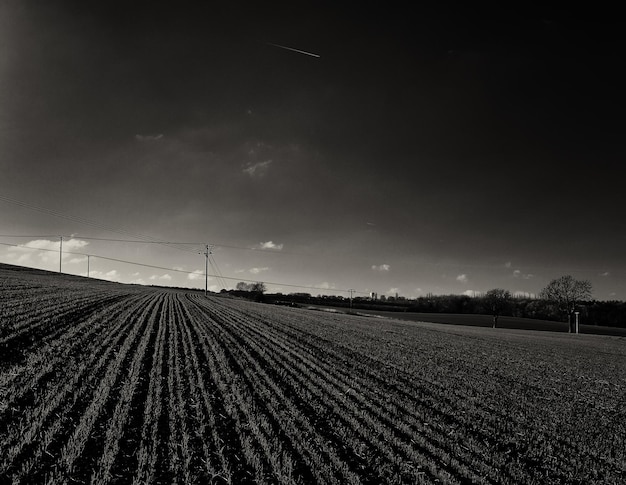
(497, 301)
(566, 292)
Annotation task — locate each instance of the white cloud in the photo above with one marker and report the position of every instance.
(605, 274)
(258, 169)
(71, 244)
(165, 277)
(393, 291)
(80, 259)
(471, 293)
(197, 274)
(271, 245)
(381, 267)
(258, 270)
(518, 274)
(112, 275)
(507, 264)
(462, 278)
(326, 285)
(149, 137)
(44, 251)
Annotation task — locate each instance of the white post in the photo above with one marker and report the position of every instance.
(61, 255)
(87, 266)
(576, 313)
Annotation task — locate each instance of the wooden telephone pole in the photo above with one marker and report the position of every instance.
(61, 255)
(207, 252)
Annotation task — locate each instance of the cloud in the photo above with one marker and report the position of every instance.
(381, 267)
(518, 274)
(149, 137)
(74, 244)
(165, 277)
(112, 275)
(258, 169)
(197, 274)
(605, 274)
(462, 278)
(44, 251)
(471, 293)
(80, 259)
(507, 264)
(258, 270)
(326, 285)
(271, 245)
(393, 291)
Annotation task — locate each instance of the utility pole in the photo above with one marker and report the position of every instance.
(206, 253)
(61, 255)
(351, 291)
(206, 270)
(87, 266)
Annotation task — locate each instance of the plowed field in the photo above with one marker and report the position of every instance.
(106, 383)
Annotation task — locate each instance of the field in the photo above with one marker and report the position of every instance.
(487, 321)
(107, 383)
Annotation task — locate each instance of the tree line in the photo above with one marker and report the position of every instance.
(558, 301)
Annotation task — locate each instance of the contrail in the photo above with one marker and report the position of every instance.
(294, 50)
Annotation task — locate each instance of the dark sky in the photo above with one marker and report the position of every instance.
(428, 149)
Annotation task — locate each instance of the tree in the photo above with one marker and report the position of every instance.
(242, 286)
(565, 292)
(252, 287)
(258, 287)
(497, 301)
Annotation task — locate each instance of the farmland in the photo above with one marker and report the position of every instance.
(108, 383)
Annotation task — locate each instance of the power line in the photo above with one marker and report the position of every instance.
(217, 269)
(135, 240)
(178, 245)
(30, 235)
(180, 270)
(185, 246)
(89, 222)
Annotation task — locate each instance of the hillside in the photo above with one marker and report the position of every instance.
(102, 383)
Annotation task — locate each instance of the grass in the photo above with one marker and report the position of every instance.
(102, 383)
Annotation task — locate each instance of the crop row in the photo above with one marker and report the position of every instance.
(172, 387)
